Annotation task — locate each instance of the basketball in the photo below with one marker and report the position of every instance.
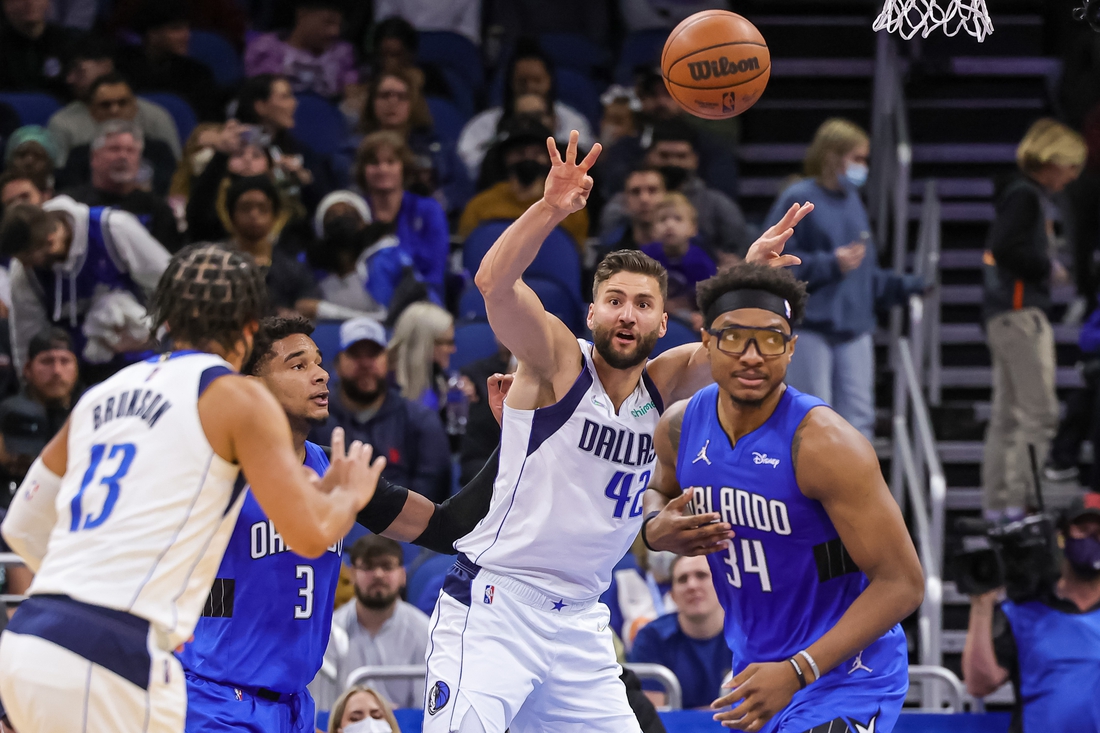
(716, 64)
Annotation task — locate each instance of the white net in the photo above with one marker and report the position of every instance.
(907, 18)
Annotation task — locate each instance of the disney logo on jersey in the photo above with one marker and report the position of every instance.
(621, 446)
(762, 459)
(265, 541)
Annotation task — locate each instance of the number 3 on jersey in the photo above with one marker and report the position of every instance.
(125, 452)
(618, 490)
(752, 553)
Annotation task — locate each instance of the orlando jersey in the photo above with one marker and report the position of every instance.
(567, 502)
(267, 620)
(146, 506)
(785, 579)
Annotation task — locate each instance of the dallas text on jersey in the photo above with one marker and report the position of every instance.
(617, 446)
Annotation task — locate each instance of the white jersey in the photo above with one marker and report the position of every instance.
(567, 502)
(146, 508)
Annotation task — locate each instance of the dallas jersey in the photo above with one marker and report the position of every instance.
(567, 502)
(786, 578)
(146, 506)
(267, 619)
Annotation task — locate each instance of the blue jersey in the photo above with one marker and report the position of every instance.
(786, 579)
(267, 621)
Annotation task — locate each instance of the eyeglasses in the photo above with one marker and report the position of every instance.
(108, 104)
(394, 95)
(383, 566)
(735, 340)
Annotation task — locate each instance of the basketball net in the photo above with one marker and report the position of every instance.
(907, 18)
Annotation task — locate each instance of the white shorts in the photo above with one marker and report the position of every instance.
(49, 688)
(521, 661)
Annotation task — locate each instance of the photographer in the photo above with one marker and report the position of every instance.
(1048, 646)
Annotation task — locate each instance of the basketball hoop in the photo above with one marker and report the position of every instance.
(910, 17)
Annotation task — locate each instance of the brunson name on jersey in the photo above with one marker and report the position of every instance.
(141, 403)
(620, 446)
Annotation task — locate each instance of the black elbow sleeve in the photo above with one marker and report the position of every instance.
(456, 517)
(387, 502)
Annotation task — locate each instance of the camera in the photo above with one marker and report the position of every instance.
(1022, 556)
(254, 135)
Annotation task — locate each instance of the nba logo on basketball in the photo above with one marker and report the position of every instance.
(489, 593)
(727, 102)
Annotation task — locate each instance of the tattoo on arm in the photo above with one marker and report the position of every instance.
(675, 427)
(796, 443)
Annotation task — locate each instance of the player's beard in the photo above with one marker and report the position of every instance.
(362, 396)
(643, 347)
(376, 602)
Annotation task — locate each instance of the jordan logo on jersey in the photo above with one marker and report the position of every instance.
(857, 664)
(703, 454)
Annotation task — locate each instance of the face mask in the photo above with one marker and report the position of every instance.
(528, 171)
(1083, 555)
(369, 725)
(674, 176)
(856, 173)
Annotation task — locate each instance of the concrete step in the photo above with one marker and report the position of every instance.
(972, 294)
(858, 68)
(971, 333)
(948, 188)
(982, 377)
(922, 153)
(1014, 66)
(958, 211)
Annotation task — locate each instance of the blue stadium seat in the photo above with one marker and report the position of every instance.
(319, 124)
(574, 51)
(462, 96)
(557, 259)
(580, 93)
(473, 341)
(179, 108)
(327, 337)
(218, 54)
(33, 108)
(678, 333)
(559, 301)
(428, 576)
(448, 119)
(454, 51)
(641, 48)
(471, 306)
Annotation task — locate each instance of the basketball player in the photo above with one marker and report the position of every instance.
(266, 624)
(822, 569)
(518, 638)
(137, 497)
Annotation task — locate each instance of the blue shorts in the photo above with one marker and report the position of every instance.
(213, 707)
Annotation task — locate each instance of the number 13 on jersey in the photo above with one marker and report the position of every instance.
(125, 453)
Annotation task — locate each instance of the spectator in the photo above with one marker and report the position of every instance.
(63, 255)
(378, 627)
(690, 641)
(409, 435)
(482, 434)
(113, 99)
(394, 103)
(30, 419)
(359, 704)
(1047, 646)
(639, 15)
(256, 216)
(530, 71)
(32, 49)
(161, 63)
(723, 233)
(525, 156)
(17, 187)
(109, 97)
(268, 102)
(197, 154)
(1018, 273)
(643, 191)
(116, 168)
(383, 166)
(836, 346)
(717, 164)
(527, 109)
(395, 43)
(33, 150)
(229, 20)
(312, 57)
(91, 57)
(420, 353)
(457, 16)
(619, 108)
(675, 228)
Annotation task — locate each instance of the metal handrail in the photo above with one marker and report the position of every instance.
(674, 695)
(10, 558)
(957, 695)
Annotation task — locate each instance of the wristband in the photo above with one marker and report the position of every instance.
(813, 664)
(645, 521)
(798, 671)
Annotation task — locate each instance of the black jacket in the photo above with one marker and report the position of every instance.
(1017, 259)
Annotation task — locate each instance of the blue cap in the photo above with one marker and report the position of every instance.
(363, 328)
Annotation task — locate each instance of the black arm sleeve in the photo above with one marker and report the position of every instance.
(456, 517)
(387, 502)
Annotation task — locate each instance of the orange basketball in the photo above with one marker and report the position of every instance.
(716, 64)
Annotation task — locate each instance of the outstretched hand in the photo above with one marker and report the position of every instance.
(568, 184)
(687, 534)
(768, 249)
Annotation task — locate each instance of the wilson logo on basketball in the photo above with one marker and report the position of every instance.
(721, 67)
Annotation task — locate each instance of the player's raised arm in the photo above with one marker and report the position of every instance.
(245, 425)
(515, 312)
(682, 371)
(669, 524)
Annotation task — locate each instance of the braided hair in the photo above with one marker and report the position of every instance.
(209, 294)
